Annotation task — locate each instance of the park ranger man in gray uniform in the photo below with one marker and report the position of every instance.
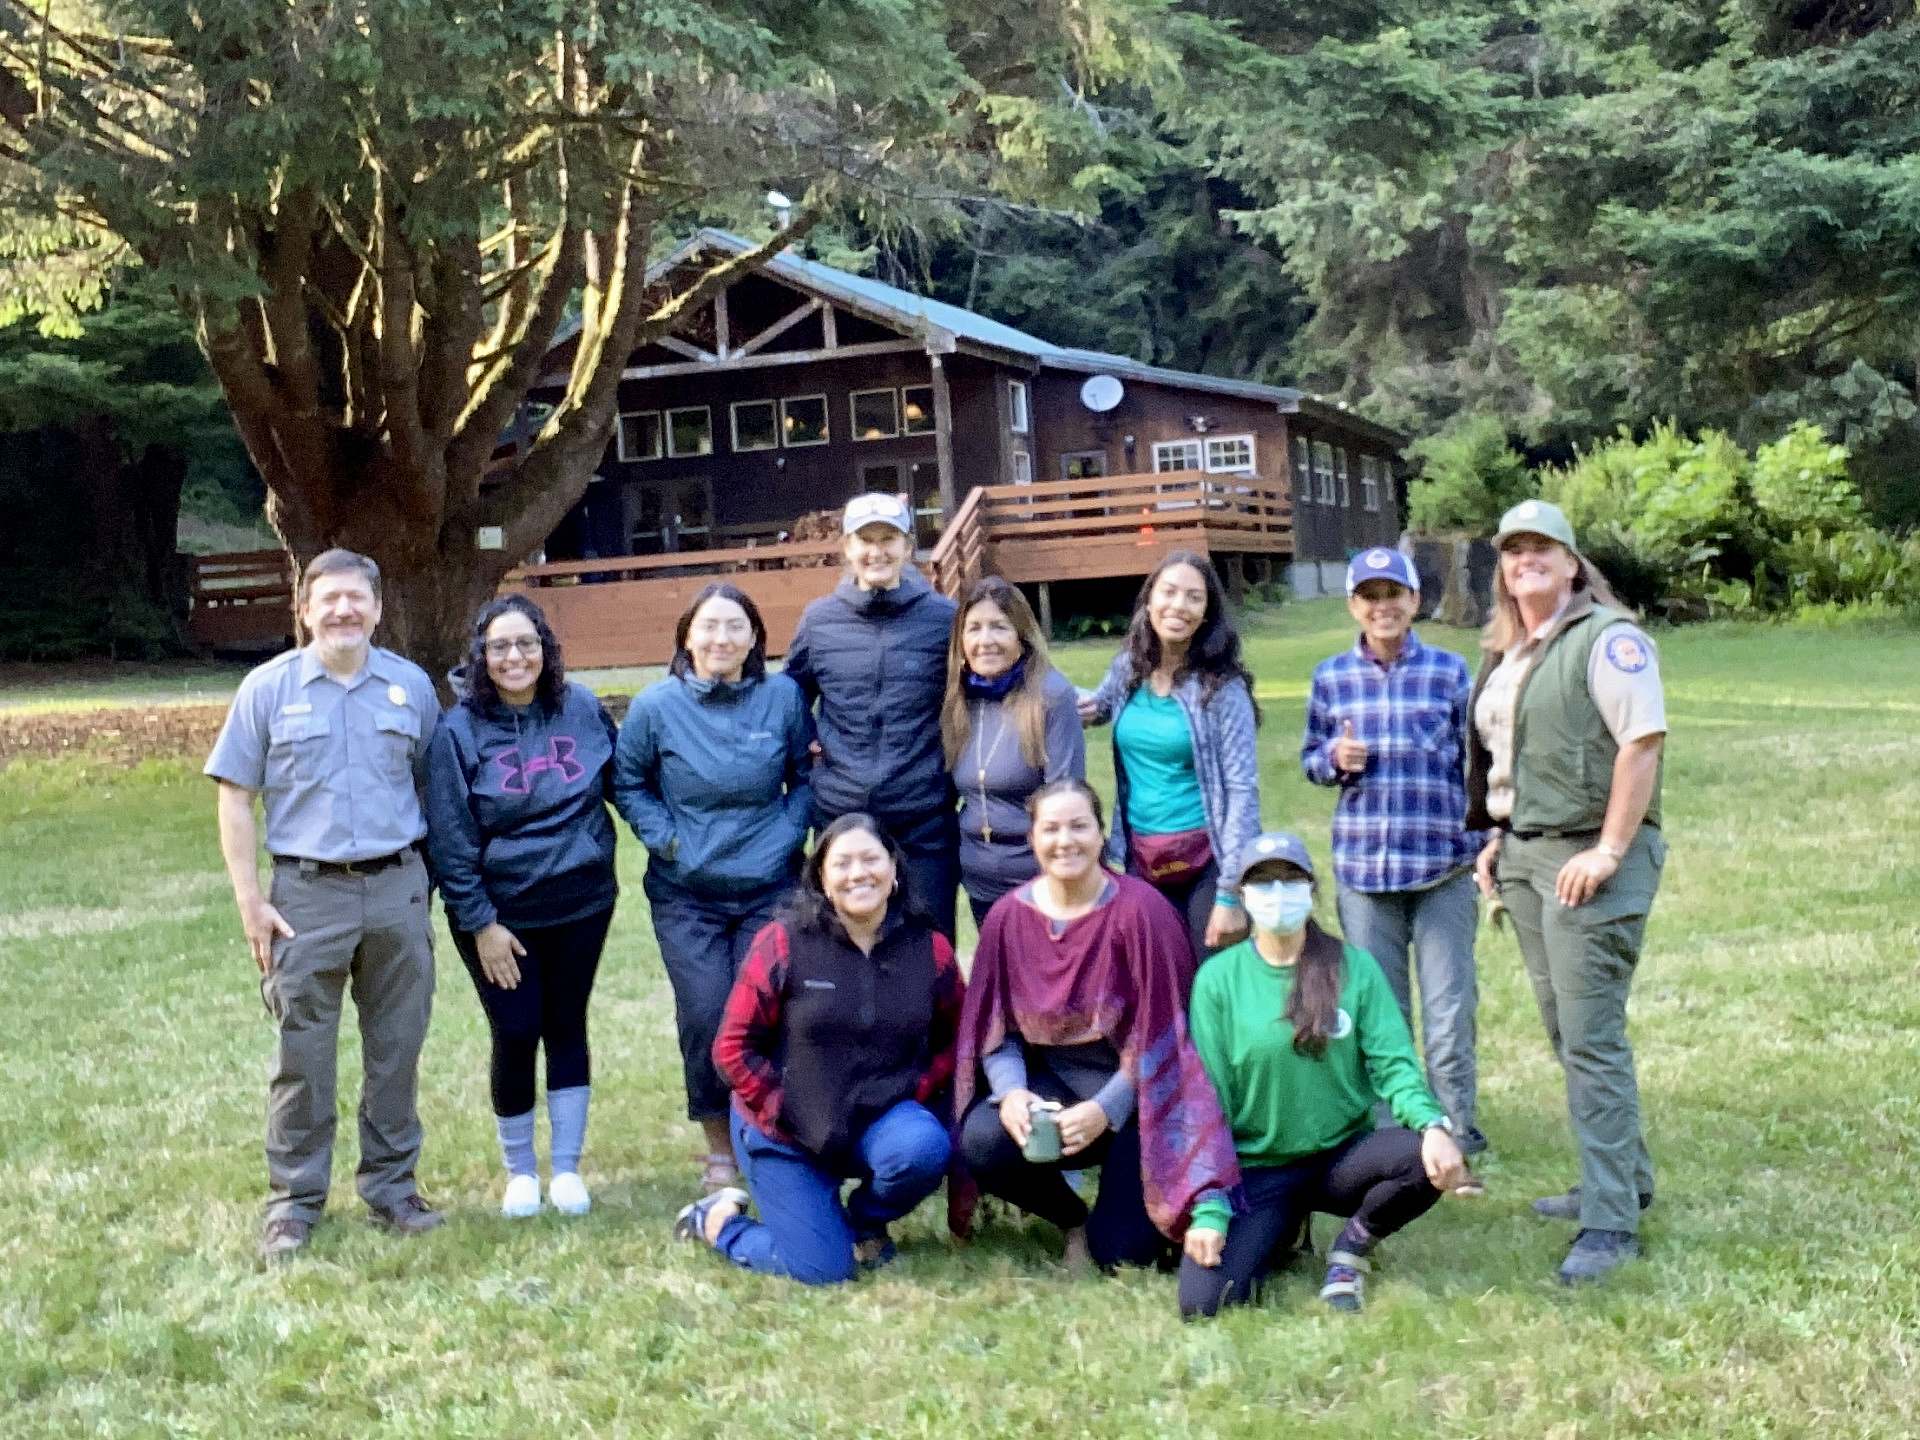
(332, 737)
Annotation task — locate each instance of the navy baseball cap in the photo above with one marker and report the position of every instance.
(1275, 845)
(1380, 563)
(876, 507)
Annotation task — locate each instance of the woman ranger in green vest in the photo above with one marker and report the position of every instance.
(1569, 722)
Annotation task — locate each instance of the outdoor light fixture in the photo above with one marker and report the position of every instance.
(782, 208)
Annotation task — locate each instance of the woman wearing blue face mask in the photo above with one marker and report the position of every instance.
(1300, 1035)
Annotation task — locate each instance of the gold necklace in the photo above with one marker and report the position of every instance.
(982, 761)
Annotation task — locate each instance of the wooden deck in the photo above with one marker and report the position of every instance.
(621, 610)
(1107, 526)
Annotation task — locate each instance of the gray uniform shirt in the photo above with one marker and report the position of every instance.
(339, 767)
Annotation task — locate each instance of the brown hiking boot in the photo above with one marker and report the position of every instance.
(412, 1216)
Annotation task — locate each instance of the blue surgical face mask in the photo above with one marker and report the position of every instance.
(1279, 906)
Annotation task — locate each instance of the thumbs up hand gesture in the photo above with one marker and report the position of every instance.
(1349, 754)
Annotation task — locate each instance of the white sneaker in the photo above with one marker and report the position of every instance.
(569, 1193)
(522, 1198)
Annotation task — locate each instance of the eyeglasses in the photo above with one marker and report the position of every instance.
(522, 644)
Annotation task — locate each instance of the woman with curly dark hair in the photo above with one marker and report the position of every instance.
(1186, 770)
(520, 842)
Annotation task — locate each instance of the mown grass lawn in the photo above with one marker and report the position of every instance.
(1777, 1022)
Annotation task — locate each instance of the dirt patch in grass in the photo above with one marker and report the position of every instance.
(124, 736)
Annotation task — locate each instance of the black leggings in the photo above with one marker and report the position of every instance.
(1193, 898)
(1377, 1178)
(1118, 1230)
(548, 1006)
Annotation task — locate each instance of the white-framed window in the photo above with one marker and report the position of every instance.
(1340, 467)
(1371, 471)
(875, 414)
(916, 408)
(639, 436)
(690, 431)
(1178, 455)
(1230, 455)
(1022, 468)
(1083, 464)
(755, 426)
(1323, 471)
(1302, 471)
(803, 420)
(1018, 419)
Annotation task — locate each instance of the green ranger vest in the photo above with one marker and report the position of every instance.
(1562, 752)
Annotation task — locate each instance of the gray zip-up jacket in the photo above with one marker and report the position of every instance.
(1226, 761)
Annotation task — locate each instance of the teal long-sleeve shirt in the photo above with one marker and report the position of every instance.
(1283, 1105)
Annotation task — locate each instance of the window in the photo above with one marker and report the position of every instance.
(1018, 420)
(1371, 472)
(754, 427)
(876, 414)
(1230, 455)
(916, 404)
(1178, 455)
(1302, 471)
(1323, 471)
(1346, 487)
(1083, 464)
(803, 420)
(638, 437)
(1022, 468)
(690, 431)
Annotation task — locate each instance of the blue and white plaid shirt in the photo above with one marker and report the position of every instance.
(1401, 823)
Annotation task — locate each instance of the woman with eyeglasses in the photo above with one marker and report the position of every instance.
(521, 845)
(712, 774)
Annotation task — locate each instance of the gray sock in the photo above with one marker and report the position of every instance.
(516, 1143)
(567, 1113)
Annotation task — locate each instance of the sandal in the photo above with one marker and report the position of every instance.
(718, 1171)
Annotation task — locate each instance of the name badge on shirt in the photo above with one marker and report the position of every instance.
(299, 707)
(396, 695)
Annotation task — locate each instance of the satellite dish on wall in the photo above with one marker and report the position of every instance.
(1101, 393)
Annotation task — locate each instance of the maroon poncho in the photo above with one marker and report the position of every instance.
(1121, 974)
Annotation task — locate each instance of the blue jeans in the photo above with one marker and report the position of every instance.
(1439, 924)
(804, 1231)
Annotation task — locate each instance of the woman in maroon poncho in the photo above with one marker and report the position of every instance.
(1078, 996)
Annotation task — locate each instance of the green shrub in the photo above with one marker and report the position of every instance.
(1800, 483)
(1470, 476)
(1855, 567)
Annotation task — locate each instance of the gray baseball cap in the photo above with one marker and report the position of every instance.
(1537, 517)
(876, 507)
(1274, 845)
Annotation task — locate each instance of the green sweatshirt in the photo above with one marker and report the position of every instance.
(1282, 1105)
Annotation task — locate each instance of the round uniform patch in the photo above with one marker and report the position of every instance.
(1342, 1024)
(1627, 654)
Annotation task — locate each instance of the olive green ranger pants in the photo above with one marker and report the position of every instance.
(1581, 961)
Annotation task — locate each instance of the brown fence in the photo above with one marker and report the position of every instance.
(241, 601)
(625, 614)
(1110, 525)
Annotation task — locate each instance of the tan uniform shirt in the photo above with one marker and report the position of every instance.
(1623, 679)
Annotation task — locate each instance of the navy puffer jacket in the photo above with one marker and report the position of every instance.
(875, 661)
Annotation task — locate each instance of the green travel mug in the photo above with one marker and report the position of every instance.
(1043, 1140)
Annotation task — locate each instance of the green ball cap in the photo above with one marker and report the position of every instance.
(1537, 517)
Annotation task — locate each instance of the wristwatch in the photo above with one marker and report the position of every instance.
(1445, 1122)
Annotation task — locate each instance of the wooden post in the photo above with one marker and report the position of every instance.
(943, 438)
(1046, 608)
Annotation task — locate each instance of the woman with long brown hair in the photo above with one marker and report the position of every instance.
(1008, 726)
(1301, 1035)
(1569, 726)
(1185, 764)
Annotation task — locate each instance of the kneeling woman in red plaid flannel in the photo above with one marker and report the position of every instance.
(837, 1039)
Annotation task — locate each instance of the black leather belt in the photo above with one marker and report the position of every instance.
(345, 867)
(1553, 834)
